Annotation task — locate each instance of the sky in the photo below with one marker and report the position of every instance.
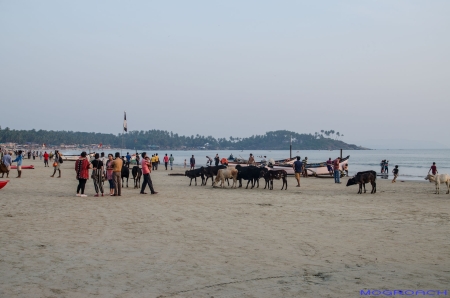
(376, 71)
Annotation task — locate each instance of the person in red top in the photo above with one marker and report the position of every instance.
(433, 169)
(45, 159)
(337, 172)
(82, 169)
(146, 166)
(166, 161)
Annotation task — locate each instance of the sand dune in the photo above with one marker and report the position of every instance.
(320, 240)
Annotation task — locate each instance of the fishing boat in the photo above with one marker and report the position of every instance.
(313, 169)
(3, 183)
(75, 157)
(30, 167)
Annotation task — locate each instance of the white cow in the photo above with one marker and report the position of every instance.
(438, 179)
(223, 174)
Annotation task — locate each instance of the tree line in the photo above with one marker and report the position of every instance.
(272, 140)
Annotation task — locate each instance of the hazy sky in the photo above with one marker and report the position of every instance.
(372, 70)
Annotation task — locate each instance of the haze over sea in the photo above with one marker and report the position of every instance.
(413, 163)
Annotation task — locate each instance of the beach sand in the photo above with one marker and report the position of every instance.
(320, 240)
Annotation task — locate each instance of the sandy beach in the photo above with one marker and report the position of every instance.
(320, 240)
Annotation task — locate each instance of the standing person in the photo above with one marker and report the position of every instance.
(97, 174)
(156, 161)
(29, 154)
(216, 159)
(298, 169)
(153, 160)
(345, 168)
(40, 155)
(330, 166)
(382, 166)
(19, 159)
(305, 171)
(45, 159)
(386, 167)
(395, 172)
(192, 162)
(128, 157)
(337, 173)
(137, 159)
(209, 160)
(104, 160)
(251, 160)
(56, 164)
(117, 174)
(82, 169)
(171, 162)
(433, 169)
(110, 174)
(185, 163)
(146, 165)
(7, 161)
(166, 160)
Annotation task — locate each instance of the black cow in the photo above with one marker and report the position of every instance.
(136, 171)
(4, 170)
(250, 173)
(125, 173)
(211, 171)
(274, 174)
(362, 178)
(193, 174)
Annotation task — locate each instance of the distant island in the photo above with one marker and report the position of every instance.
(160, 139)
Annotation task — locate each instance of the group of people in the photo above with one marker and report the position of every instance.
(110, 169)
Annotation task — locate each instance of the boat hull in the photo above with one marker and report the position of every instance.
(3, 183)
(23, 167)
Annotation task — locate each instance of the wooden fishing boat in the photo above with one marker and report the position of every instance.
(3, 183)
(30, 167)
(313, 169)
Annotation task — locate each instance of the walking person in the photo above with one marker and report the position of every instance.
(171, 159)
(97, 174)
(298, 169)
(216, 159)
(305, 171)
(433, 169)
(166, 161)
(157, 162)
(153, 160)
(192, 162)
(395, 172)
(82, 169)
(40, 155)
(56, 164)
(19, 159)
(110, 173)
(185, 163)
(146, 164)
(337, 173)
(386, 167)
(45, 159)
(117, 174)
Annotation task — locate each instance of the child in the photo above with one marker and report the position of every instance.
(395, 172)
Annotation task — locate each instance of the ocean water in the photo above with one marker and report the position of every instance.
(413, 164)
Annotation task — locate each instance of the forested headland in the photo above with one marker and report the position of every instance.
(272, 140)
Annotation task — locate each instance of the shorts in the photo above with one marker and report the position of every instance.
(329, 169)
(297, 175)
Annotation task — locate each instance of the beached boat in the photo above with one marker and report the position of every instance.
(31, 167)
(3, 183)
(314, 169)
(75, 157)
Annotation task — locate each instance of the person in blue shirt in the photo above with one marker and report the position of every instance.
(298, 169)
(128, 157)
(19, 159)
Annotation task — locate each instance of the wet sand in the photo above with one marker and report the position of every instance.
(320, 240)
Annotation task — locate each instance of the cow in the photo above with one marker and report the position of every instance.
(250, 173)
(193, 174)
(211, 171)
(4, 170)
(362, 178)
(125, 173)
(438, 179)
(136, 171)
(274, 174)
(223, 174)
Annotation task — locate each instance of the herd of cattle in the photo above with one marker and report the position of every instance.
(250, 173)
